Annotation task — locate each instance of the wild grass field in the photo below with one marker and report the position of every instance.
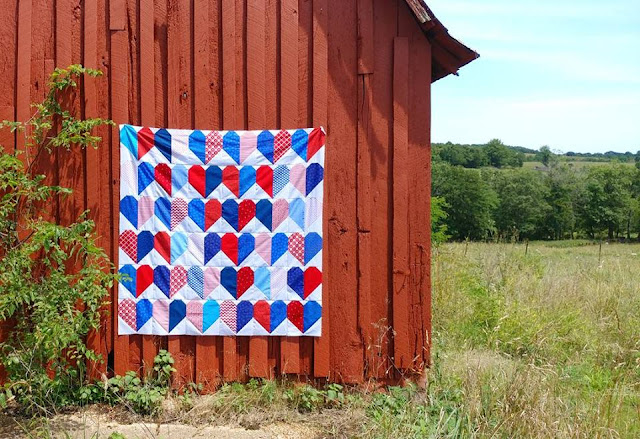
(537, 342)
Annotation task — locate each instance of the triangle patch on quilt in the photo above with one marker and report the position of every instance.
(220, 232)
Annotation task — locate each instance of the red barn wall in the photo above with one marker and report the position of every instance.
(360, 68)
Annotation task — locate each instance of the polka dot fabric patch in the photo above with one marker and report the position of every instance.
(220, 232)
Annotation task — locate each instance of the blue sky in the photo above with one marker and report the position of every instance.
(563, 73)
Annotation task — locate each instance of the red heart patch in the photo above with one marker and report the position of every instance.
(212, 212)
(315, 142)
(264, 178)
(281, 144)
(295, 314)
(245, 280)
(163, 177)
(262, 314)
(144, 278)
(229, 245)
(231, 179)
(127, 312)
(162, 244)
(145, 141)
(129, 244)
(196, 179)
(178, 279)
(246, 212)
(312, 279)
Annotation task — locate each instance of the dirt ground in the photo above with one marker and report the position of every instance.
(94, 424)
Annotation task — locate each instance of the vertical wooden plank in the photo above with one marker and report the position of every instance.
(321, 349)
(8, 32)
(290, 346)
(363, 184)
(97, 187)
(402, 354)
(135, 340)
(242, 343)
(23, 77)
(305, 119)
(147, 118)
(363, 197)
(365, 36)
(229, 121)
(206, 82)
(380, 143)
(272, 111)
(419, 111)
(120, 114)
(256, 113)
(106, 152)
(117, 14)
(8, 41)
(180, 99)
(341, 242)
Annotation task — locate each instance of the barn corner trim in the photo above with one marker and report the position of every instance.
(448, 54)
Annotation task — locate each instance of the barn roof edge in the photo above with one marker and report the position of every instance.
(448, 54)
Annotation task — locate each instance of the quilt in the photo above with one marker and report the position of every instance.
(220, 232)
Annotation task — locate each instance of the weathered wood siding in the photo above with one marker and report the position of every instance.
(361, 68)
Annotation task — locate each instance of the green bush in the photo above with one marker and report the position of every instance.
(53, 277)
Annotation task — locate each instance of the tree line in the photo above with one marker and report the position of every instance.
(496, 154)
(559, 202)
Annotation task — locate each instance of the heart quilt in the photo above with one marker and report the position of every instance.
(220, 232)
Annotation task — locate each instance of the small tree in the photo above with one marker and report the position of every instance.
(53, 278)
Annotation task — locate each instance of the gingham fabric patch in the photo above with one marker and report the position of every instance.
(220, 232)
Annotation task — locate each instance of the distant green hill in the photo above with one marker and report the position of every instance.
(497, 154)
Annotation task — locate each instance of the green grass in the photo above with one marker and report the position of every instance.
(541, 342)
(545, 344)
(538, 345)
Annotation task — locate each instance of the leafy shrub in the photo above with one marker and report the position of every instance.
(53, 277)
(142, 396)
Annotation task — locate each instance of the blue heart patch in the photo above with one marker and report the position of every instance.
(145, 176)
(195, 279)
(312, 312)
(144, 311)
(145, 244)
(265, 145)
(211, 246)
(247, 179)
(129, 208)
(161, 277)
(245, 313)
(179, 177)
(178, 245)
(213, 178)
(299, 142)
(129, 278)
(295, 280)
(129, 138)
(315, 174)
(278, 313)
(162, 210)
(230, 213)
(231, 145)
(196, 212)
(229, 280)
(210, 313)
(312, 245)
(246, 245)
(264, 212)
(163, 143)
(196, 144)
(279, 246)
(177, 313)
